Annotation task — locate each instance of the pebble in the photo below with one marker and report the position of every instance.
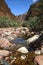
(39, 59)
(23, 57)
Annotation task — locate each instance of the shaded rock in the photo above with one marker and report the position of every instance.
(4, 52)
(10, 38)
(23, 50)
(7, 33)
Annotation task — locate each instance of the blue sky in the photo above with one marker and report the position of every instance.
(19, 7)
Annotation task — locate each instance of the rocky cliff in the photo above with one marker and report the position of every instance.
(21, 17)
(35, 10)
(4, 10)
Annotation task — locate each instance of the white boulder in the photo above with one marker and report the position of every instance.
(23, 50)
(23, 57)
(32, 39)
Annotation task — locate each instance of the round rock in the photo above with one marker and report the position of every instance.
(4, 43)
(23, 50)
(4, 52)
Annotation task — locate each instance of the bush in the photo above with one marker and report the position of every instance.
(33, 23)
(7, 22)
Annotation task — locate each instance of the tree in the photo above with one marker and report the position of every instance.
(33, 23)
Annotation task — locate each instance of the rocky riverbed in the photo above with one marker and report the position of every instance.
(20, 46)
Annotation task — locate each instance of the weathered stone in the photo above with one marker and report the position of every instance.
(4, 43)
(4, 52)
(32, 39)
(23, 50)
(39, 59)
(38, 52)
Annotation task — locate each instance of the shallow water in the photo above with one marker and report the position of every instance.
(20, 41)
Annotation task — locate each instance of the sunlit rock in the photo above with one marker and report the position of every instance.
(4, 43)
(39, 59)
(32, 39)
(7, 33)
(23, 50)
(23, 57)
(4, 52)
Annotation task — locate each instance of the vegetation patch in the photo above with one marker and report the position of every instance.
(7, 22)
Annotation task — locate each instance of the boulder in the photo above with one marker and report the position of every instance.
(23, 50)
(4, 53)
(39, 59)
(4, 43)
(7, 33)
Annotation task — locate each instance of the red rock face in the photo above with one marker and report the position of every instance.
(4, 10)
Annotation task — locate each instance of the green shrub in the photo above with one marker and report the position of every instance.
(33, 23)
(7, 22)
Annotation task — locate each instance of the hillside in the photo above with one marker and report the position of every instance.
(35, 10)
(34, 17)
(5, 10)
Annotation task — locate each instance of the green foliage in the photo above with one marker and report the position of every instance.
(7, 22)
(41, 0)
(33, 23)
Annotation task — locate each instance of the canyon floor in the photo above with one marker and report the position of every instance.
(18, 53)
